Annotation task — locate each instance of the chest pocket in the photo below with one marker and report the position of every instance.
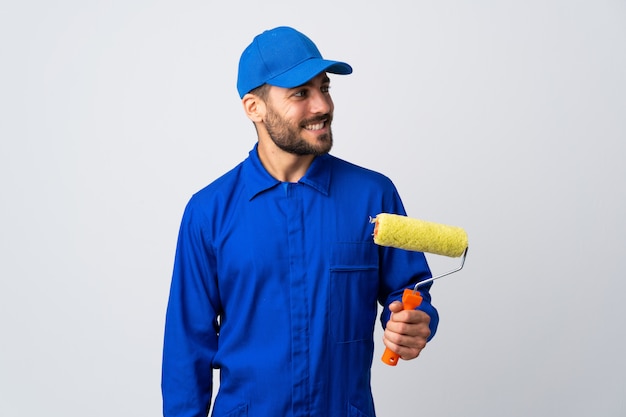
(353, 290)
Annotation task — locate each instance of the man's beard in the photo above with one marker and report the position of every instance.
(287, 138)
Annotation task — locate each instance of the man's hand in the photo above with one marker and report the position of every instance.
(407, 331)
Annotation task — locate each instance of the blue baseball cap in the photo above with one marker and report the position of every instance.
(282, 57)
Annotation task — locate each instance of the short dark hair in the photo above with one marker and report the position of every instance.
(262, 91)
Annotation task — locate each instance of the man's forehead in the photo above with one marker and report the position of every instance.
(321, 78)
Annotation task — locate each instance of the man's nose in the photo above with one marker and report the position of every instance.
(320, 103)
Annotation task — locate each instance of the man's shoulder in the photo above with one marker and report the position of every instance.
(224, 182)
(219, 190)
(355, 172)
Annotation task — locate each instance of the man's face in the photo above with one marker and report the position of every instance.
(298, 119)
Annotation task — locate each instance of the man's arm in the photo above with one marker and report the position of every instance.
(191, 326)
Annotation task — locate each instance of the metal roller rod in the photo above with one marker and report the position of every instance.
(426, 281)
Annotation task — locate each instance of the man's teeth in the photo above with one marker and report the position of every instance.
(317, 126)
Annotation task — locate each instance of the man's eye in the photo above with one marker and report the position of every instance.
(326, 89)
(300, 93)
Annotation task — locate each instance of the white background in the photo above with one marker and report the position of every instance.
(506, 118)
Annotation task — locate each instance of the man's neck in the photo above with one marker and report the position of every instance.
(283, 166)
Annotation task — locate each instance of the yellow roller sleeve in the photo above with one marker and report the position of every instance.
(418, 235)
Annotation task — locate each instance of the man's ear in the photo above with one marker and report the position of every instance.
(254, 107)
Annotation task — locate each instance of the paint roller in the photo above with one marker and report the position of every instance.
(411, 234)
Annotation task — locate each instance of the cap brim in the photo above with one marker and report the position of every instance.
(303, 72)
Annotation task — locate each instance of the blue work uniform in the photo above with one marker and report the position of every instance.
(276, 285)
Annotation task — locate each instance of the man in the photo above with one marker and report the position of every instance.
(276, 277)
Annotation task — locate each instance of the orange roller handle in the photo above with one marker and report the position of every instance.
(410, 301)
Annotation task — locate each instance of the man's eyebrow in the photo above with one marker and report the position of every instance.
(325, 80)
